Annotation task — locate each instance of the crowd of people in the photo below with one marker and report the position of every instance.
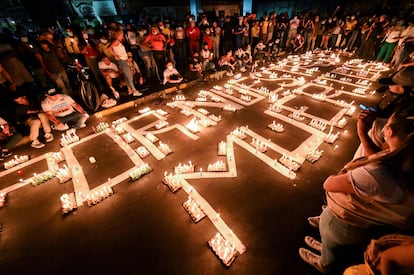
(372, 195)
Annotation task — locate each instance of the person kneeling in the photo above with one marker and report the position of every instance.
(63, 111)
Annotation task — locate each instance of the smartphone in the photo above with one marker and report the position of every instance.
(367, 108)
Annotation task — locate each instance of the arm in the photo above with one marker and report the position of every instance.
(338, 183)
(8, 77)
(365, 121)
(40, 59)
(78, 108)
(398, 259)
(52, 118)
(114, 44)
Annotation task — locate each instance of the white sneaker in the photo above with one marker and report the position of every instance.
(61, 127)
(136, 93)
(82, 120)
(48, 137)
(37, 144)
(107, 103)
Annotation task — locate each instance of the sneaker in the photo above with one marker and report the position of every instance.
(48, 137)
(107, 103)
(61, 127)
(314, 221)
(136, 93)
(5, 154)
(313, 243)
(82, 120)
(37, 144)
(243, 69)
(312, 259)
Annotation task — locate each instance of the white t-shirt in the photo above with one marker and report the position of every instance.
(60, 107)
(112, 66)
(379, 199)
(168, 73)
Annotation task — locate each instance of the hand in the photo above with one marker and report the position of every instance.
(365, 121)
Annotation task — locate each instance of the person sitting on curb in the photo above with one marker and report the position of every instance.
(171, 75)
(110, 72)
(228, 62)
(63, 111)
(30, 113)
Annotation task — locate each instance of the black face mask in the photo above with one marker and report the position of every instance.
(195, 58)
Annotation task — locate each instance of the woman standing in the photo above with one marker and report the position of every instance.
(121, 57)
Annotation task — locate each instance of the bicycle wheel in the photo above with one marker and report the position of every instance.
(90, 96)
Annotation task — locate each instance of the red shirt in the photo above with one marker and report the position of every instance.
(193, 33)
(209, 41)
(156, 41)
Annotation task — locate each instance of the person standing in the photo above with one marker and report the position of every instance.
(227, 35)
(157, 42)
(53, 68)
(193, 35)
(121, 57)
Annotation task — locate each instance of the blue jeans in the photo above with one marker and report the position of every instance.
(340, 240)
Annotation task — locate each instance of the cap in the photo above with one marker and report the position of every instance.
(51, 91)
(405, 78)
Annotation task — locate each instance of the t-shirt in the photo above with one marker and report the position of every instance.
(112, 66)
(379, 199)
(168, 73)
(156, 40)
(60, 107)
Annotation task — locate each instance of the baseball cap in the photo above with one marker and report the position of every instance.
(51, 91)
(404, 78)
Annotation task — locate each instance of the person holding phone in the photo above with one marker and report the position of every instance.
(371, 120)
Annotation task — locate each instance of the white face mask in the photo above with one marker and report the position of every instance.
(104, 41)
(207, 32)
(169, 67)
(24, 39)
(70, 34)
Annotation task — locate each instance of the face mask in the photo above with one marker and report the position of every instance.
(169, 67)
(161, 27)
(70, 34)
(104, 41)
(207, 32)
(195, 58)
(352, 17)
(85, 36)
(141, 33)
(24, 39)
